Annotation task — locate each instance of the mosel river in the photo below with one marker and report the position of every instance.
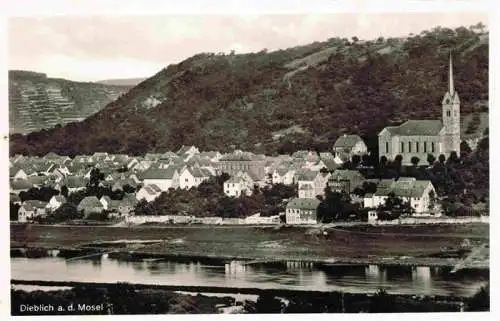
(355, 279)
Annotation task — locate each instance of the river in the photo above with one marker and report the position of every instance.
(294, 276)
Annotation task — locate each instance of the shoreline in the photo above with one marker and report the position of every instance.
(138, 255)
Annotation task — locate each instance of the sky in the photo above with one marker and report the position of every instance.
(97, 47)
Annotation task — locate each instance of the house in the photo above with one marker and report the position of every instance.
(316, 180)
(256, 219)
(283, 176)
(343, 180)
(239, 161)
(238, 185)
(419, 138)
(192, 177)
(74, 184)
(127, 205)
(149, 193)
(162, 178)
(90, 205)
(302, 211)
(106, 202)
(347, 146)
(419, 193)
(213, 156)
(31, 209)
(55, 202)
(186, 152)
(372, 216)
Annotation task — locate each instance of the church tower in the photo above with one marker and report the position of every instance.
(451, 117)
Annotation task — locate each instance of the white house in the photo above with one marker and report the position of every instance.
(149, 193)
(418, 192)
(163, 178)
(311, 183)
(347, 146)
(302, 211)
(238, 185)
(192, 177)
(55, 202)
(31, 209)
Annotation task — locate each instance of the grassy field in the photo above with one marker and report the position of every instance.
(295, 243)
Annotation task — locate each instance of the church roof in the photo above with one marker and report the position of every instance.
(417, 128)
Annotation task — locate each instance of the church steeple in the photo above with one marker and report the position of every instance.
(450, 96)
(451, 116)
(452, 89)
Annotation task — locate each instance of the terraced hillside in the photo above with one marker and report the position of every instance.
(37, 102)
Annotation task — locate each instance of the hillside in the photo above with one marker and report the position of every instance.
(122, 81)
(36, 101)
(281, 101)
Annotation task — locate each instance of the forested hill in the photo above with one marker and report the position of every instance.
(37, 101)
(281, 101)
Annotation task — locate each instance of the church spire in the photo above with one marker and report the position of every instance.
(452, 89)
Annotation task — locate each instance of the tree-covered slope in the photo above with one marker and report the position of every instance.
(280, 101)
(36, 101)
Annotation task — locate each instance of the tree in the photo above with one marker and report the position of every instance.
(382, 302)
(415, 160)
(481, 300)
(355, 160)
(268, 304)
(14, 211)
(431, 159)
(64, 191)
(442, 158)
(65, 212)
(143, 207)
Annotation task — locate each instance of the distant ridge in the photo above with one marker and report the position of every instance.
(121, 81)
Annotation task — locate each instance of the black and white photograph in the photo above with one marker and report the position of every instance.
(249, 162)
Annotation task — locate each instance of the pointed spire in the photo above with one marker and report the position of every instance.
(452, 89)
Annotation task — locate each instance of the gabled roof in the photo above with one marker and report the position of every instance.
(345, 174)
(74, 182)
(330, 164)
(304, 203)
(152, 189)
(167, 173)
(35, 203)
(20, 184)
(403, 187)
(51, 155)
(347, 141)
(306, 175)
(90, 201)
(429, 127)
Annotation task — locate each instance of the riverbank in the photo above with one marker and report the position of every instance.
(430, 245)
(146, 299)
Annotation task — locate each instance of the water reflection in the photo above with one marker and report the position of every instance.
(289, 275)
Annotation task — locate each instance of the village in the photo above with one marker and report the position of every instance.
(134, 179)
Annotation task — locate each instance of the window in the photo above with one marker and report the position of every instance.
(402, 147)
(409, 147)
(416, 147)
(387, 147)
(425, 147)
(448, 113)
(432, 147)
(186, 180)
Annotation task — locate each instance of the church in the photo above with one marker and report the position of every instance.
(419, 138)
